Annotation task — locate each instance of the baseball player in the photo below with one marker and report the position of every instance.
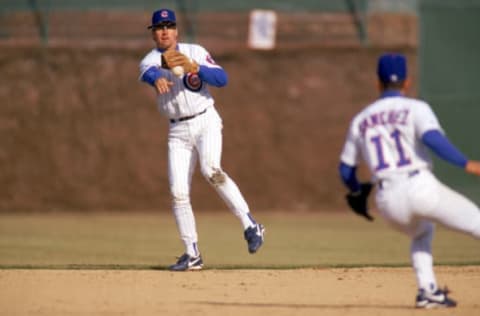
(180, 73)
(392, 136)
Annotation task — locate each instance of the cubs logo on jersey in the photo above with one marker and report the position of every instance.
(192, 82)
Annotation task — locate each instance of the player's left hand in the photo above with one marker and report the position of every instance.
(358, 200)
(174, 58)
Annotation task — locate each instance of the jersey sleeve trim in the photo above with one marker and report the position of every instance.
(349, 176)
(214, 76)
(441, 146)
(151, 75)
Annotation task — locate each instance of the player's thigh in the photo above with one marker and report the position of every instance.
(209, 147)
(393, 206)
(423, 193)
(399, 216)
(181, 164)
(457, 212)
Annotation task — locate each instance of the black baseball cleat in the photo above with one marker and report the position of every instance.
(437, 299)
(187, 263)
(254, 237)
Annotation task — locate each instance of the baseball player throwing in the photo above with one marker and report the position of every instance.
(180, 73)
(392, 136)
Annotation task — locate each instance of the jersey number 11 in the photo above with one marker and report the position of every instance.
(377, 142)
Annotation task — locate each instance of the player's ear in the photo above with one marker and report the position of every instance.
(379, 86)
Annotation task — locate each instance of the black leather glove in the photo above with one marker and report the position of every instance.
(358, 200)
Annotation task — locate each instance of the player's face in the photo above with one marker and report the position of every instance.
(165, 36)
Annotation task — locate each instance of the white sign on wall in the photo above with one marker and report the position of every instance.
(262, 29)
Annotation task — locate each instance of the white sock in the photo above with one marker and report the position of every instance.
(422, 261)
(192, 250)
(186, 226)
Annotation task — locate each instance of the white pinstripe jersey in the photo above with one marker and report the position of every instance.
(189, 94)
(387, 135)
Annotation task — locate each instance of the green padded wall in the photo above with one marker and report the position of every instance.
(449, 80)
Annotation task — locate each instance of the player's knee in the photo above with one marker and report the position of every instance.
(180, 197)
(215, 176)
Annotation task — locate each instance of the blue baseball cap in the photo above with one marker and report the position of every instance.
(162, 16)
(392, 67)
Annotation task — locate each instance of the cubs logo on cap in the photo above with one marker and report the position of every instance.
(392, 67)
(162, 16)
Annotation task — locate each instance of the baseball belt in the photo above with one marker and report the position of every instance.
(410, 174)
(186, 118)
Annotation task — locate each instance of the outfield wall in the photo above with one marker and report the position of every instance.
(449, 68)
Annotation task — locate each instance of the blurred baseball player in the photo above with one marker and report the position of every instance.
(195, 131)
(392, 136)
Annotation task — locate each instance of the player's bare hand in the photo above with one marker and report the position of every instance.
(162, 85)
(473, 167)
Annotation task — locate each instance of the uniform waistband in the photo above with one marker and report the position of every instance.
(186, 118)
(381, 182)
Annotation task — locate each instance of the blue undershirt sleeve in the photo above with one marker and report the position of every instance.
(349, 176)
(441, 146)
(214, 76)
(151, 75)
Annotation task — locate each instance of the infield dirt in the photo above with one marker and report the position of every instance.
(358, 291)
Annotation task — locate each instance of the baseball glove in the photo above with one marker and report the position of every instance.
(358, 200)
(173, 58)
(164, 62)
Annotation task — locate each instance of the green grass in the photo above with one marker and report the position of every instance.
(150, 241)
